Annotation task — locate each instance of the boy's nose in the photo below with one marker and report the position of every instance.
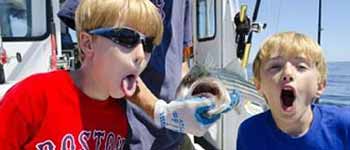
(288, 73)
(288, 78)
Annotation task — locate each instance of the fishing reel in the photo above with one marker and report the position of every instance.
(258, 27)
(244, 25)
(244, 31)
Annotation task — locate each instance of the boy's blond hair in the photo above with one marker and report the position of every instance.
(291, 44)
(141, 15)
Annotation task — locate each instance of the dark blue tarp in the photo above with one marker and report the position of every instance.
(67, 12)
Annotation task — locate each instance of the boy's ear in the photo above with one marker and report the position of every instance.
(320, 89)
(258, 88)
(85, 42)
(257, 85)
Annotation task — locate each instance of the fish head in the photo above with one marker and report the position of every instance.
(200, 81)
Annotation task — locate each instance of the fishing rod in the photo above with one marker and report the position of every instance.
(2, 60)
(319, 22)
(244, 28)
(319, 29)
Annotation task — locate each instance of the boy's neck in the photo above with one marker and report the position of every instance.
(296, 127)
(87, 84)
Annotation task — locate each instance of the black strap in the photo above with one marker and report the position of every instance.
(204, 143)
(2, 74)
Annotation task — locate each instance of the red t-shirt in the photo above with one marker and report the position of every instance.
(46, 111)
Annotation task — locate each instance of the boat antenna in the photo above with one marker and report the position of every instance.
(319, 22)
(317, 101)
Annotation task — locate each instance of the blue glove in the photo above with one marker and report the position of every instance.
(186, 116)
(233, 101)
(193, 115)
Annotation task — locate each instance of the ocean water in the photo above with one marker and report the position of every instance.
(338, 83)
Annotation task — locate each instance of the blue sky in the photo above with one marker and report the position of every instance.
(302, 16)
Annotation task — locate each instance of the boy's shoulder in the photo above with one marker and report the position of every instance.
(328, 109)
(251, 122)
(30, 94)
(38, 81)
(47, 76)
(334, 114)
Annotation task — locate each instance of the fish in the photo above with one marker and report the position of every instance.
(228, 88)
(200, 81)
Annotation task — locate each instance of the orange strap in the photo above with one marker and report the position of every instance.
(187, 53)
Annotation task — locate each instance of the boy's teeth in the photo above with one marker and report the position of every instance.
(287, 88)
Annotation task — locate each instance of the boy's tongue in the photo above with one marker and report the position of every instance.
(128, 85)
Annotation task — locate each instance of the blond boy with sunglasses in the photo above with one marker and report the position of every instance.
(84, 109)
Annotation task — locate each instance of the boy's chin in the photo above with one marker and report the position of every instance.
(118, 95)
(287, 112)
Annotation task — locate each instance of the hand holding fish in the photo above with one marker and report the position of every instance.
(200, 101)
(193, 115)
(201, 98)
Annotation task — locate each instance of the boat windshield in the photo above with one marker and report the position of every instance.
(23, 19)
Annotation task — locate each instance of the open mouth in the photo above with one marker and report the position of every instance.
(206, 89)
(129, 84)
(287, 98)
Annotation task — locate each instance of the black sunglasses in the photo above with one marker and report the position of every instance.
(126, 37)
